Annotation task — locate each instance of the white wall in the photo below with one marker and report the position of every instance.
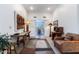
(78, 16)
(67, 17)
(7, 17)
(39, 16)
(19, 9)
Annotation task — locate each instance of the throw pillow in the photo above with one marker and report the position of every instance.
(68, 38)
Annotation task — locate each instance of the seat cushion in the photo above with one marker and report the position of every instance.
(59, 42)
(75, 36)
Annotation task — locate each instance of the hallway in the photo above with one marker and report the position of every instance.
(38, 22)
(39, 29)
(40, 46)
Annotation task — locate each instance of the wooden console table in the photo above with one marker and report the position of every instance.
(21, 37)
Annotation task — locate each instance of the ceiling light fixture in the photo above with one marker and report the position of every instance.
(31, 8)
(48, 8)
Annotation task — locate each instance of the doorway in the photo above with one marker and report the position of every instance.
(39, 28)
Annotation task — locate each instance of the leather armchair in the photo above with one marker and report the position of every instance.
(58, 31)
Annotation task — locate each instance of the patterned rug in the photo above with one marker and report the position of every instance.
(31, 44)
(28, 51)
(37, 46)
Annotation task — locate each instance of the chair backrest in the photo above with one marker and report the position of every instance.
(58, 29)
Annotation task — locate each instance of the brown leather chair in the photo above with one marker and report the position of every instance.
(58, 31)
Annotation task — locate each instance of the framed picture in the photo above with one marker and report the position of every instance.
(55, 23)
(19, 22)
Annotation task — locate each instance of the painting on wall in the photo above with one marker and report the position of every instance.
(55, 23)
(19, 22)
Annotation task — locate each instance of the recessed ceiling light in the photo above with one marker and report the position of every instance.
(31, 8)
(48, 8)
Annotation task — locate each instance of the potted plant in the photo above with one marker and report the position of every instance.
(4, 44)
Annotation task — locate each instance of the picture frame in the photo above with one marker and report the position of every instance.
(55, 23)
(19, 22)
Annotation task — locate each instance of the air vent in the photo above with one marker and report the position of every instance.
(34, 17)
(44, 16)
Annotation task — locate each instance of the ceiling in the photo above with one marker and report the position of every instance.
(41, 8)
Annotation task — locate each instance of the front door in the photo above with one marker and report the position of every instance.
(39, 24)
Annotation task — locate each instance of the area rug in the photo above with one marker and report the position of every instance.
(28, 51)
(37, 46)
(31, 44)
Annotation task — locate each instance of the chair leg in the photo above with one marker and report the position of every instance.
(15, 49)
